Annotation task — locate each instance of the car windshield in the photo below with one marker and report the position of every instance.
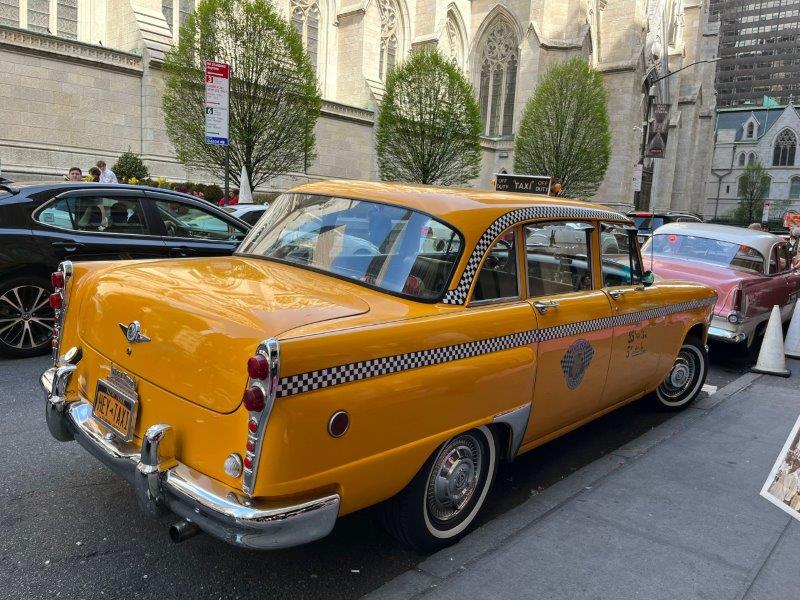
(648, 223)
(390, 247)
(729, 254)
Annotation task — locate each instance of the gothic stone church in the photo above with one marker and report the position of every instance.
(81, 80)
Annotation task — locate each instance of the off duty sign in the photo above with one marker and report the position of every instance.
(526, 184)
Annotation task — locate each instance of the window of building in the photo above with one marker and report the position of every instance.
(751, 158)
(750, 129)
(390, 36)
(39, 15)
(794, 188)
(176, 15)
(451, 42)
(785, 146)
(166, 9)
(306, 20)
(67, 19)
(741, 159)
(9, 13)
(498, 79)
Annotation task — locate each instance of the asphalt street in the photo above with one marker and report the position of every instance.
(70, 529)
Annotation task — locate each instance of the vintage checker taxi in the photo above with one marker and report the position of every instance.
(368, 343)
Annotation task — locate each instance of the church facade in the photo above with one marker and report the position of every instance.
(81, 80)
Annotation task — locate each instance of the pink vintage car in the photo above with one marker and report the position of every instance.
(751, 271)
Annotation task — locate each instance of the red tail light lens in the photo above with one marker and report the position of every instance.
(737, 300)
(248, 462)
(253, 399)
(252, 425)
(56, 301)
(57, 279)
(258, 367)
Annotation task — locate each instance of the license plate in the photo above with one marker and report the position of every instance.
(116, 408)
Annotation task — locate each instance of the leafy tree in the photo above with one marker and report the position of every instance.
(128, 166)
(753, 188)
(429, 124)
(564, 131)
(274, 101)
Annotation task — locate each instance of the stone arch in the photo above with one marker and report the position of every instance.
(455, 37)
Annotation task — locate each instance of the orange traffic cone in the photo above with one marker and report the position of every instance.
(771, 360)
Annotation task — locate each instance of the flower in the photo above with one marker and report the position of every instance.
(133, 181)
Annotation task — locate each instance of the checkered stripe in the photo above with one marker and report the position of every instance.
(366, 369)
(459, 294)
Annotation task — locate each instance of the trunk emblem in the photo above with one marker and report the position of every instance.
(133, 333)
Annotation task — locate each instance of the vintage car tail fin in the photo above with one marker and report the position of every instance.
(58, 302)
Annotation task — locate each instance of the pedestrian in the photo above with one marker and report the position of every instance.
(555, 187)
(794, 246)
(755, 226)
(94, 173)
(234, 199)
(106, 175)
(75, 174)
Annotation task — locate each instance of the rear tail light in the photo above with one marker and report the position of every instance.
(253, 399)
(56, 301)
(738, 296)
(57, 280)
(258, 367)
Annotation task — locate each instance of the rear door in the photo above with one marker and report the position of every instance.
(97, 225)
(784, 283)
(195, 228)
(574, 319)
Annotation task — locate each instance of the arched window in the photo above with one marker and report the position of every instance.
(794, 188)
(751, 158)
(390, 36)
(452, 42)
(306, 20)
(750, 129)
(741, 159)
(498, 83)
(785, 146)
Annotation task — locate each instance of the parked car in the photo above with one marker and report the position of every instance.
(44, 224)
(249, 213)
(263, 395)
(750, 270)
(647, 222)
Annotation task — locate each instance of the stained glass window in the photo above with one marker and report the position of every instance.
(499, 79)
(9, 13)
(785, 146)
(390, 32)
(67, 13)
(306, 19)
(39, 15)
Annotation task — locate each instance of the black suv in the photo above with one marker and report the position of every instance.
(647, 222)
(43, 224)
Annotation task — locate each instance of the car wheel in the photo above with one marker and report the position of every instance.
(686, 378)
(441, 502)
(26, 319)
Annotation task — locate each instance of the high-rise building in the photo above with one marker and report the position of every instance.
(760, 50)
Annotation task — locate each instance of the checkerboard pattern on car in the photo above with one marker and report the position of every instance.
(459, 294)
(357, 371)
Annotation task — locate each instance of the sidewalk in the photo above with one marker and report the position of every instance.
(675, 514)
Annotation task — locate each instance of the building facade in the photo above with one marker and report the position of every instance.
(760, 50)
(89, 84)
(748, 134)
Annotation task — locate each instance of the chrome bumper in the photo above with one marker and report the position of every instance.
(725, 335)
(163, 484)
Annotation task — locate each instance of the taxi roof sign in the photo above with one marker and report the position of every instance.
(524, 184)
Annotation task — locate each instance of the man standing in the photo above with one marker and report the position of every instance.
(75, 174)
(106, 175)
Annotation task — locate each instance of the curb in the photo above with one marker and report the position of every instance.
(446, 563)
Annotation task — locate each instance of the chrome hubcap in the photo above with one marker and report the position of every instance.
(26, 319)
(454, 477)
(682, 376)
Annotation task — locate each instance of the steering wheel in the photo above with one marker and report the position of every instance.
(498, 261)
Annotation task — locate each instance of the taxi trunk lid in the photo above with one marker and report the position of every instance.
(203, 318)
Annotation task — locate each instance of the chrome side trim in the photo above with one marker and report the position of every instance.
(517, 421)
(271, 350)
(162, 484)
(54, 382)
(725, 335)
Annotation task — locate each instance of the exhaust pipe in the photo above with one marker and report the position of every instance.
(182, 531)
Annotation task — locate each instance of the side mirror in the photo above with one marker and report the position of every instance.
(648, 278)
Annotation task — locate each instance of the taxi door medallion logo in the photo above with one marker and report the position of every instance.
(576, 361)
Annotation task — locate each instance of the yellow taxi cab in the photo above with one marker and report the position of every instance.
(367, 343)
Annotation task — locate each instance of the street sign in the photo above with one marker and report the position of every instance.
(657, 130)
(216, 105)
(637, 177)
(525, 184)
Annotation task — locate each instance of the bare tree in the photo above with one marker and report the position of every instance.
(274, 101)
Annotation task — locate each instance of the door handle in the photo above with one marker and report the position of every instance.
(68, 246)
(616, 294)
(543, 305)
(180, 251)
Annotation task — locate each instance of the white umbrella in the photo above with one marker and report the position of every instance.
(245, 193)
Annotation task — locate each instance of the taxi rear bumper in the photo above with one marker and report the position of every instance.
(162, 484)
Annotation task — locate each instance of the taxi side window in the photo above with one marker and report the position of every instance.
(498, 275)
(619, 256)
(558, 257)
